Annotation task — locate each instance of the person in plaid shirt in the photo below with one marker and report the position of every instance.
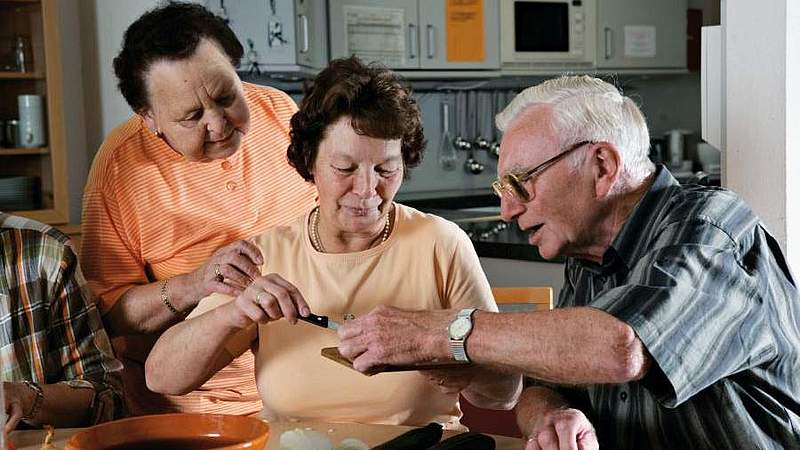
(58, 367)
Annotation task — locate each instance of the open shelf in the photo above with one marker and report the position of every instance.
(24, 151)
(6, 75)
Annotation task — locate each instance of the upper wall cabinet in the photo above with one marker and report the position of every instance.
(417, 34)
(278, 35)
(647, 34)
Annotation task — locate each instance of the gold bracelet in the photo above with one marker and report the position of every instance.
(37, 402)
(165, 299)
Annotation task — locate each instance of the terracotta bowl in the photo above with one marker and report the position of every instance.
(174, 431)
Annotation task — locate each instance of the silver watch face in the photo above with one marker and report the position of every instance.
(460, 328)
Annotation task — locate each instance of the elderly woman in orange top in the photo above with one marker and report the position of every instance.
(173, 192)
(356, 134)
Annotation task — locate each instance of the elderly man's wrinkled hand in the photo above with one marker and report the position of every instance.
(389, 336)
(564, 428)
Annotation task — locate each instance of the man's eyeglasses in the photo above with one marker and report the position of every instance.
(512, 184)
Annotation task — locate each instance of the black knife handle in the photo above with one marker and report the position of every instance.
(320, 321)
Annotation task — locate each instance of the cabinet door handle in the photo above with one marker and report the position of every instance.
(431, 42)
(412, 41)
(609, 42)
(304, 28)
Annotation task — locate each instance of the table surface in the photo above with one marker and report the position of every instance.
(371, 434)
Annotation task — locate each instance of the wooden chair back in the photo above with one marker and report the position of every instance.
(540, 297)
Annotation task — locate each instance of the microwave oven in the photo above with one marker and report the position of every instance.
(548, 34)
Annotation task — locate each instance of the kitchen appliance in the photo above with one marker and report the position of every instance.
(548, 34)
(31, 121)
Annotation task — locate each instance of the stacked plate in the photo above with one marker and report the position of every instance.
(19, 193)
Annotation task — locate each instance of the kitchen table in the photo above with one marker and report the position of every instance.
(370, 434)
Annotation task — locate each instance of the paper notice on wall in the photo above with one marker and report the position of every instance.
(465, 31)
(375, 34)
(640, 41)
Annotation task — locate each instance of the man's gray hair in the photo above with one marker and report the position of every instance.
(589, 109)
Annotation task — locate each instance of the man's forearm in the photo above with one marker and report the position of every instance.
(141, 309)
(534, 402)
(63, 406)
(565, 346)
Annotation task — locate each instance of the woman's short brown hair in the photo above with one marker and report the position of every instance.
(376, 100)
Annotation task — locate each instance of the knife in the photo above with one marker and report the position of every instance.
(320, 321)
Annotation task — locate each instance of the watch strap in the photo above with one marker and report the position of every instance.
(458, 346)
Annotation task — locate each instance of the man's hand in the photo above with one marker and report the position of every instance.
(561, 429)
(390, 336)
(19, 400)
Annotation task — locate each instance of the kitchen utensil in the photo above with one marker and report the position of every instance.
(31, 121)
(19, 55)
(472, 165)
(484, 117)
(11, 133)
(676, 150)
(173, 431)
(461, 142)
(333, 354)
(447, 151)
(320, 321)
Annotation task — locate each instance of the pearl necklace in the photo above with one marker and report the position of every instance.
(314, 230)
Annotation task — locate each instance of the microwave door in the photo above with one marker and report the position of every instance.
(541, 27)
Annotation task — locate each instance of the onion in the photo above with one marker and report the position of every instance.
(298, 439)
(352, 444)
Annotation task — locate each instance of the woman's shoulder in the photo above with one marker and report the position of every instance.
(125, 142)
(280, 238)
(416, 221)
(270, 99)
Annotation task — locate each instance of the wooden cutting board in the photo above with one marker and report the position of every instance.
(333, 354)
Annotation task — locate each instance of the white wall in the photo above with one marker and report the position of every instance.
(793, 133)
(762, 110)
(103, 23)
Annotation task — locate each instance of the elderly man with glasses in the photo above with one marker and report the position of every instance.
(679, 322)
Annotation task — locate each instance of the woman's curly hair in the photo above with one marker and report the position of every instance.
(171, 32)
(376, 100)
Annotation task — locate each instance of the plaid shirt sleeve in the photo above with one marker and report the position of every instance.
(57, 333)
(79, 350)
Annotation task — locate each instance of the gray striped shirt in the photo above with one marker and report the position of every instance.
(707, 290)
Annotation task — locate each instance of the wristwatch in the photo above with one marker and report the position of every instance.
(459, 331)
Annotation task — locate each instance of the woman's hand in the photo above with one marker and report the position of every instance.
(451, 381)
(19, 400)
(229, 270)
(268, 297)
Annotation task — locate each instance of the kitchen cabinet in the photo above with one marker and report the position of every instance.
(33, 181)
(278, 35)
(418, 34)
(641, 34)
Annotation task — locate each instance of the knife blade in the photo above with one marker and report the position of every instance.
(320, 321)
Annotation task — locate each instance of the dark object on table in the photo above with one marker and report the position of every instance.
(416, 439)
(466, 441)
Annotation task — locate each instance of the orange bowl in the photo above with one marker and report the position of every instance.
(174, 431)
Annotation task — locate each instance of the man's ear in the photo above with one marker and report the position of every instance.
(607, 166)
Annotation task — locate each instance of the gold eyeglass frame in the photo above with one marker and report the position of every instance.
(512, 183)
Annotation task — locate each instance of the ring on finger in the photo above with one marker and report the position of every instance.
(259, 296)
(219, 277)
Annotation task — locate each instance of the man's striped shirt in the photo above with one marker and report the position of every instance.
(707, 290)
